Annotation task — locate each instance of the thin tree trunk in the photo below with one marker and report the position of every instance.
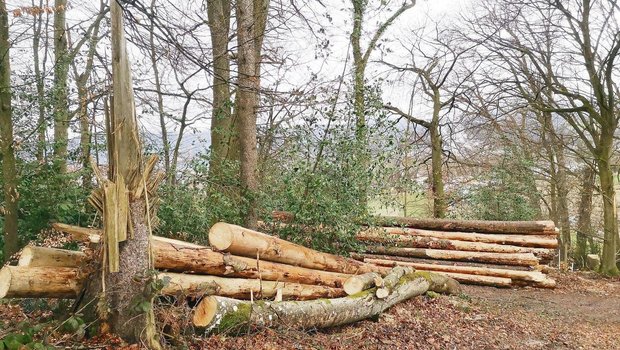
(60, 94)
(439, 200)
(584, 225)
(610, 219)
(41, 100)
(7, 143)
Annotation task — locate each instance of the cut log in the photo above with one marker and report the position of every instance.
(517, 240)
(52, 257)
(93, 235)
(205, 261)
(244, 242)
(224, 315)
(39, 282)
(542, 228)
(499, 282)
(358, 283)
(241, 288)
(522, 259)
(391, 279)
(362, 256)
(532, 276)
(411, 241)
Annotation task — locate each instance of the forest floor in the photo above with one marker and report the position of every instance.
(583, 312)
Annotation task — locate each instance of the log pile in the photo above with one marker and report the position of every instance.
(492, 253)
(230, 277)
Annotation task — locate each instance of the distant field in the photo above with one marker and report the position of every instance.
(414, 204)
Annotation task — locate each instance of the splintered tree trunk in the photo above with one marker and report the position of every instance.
(245, 242)
(7, 143)
(39, 282)
(521, 259)
(541, 228)
(224, 315)
(517, 240)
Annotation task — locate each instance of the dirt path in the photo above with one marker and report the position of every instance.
(582, 313)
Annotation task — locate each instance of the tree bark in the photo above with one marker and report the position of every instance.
(521, 259)
(39, 282)
(516, 240)
(440, 243)
(439, 198)
(391, 280)
(7, 142)
(610, 219)
(245, 242)
(224, 315)
(540, 228)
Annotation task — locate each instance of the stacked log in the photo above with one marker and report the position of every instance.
(241, 267)
(492, 253)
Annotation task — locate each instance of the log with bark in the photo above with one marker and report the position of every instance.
(510, 239)
(362, 256)
(245, 242)
(217, 314)
(358, 283)
(542, 228)
(521, 259)
(67, 282)
(531, 276)
(39, 282)
(391, 280)
(410, 241)
(34, 256)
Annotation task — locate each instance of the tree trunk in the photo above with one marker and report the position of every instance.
(39, 282)
(222, 125)
(610, 219)
(60, 93)
(7, 143)
(41, 99)
(531, 276)
(224, 315)
(541, 228)
(34, 256)
(516, 240)
(521, 259)
(439, 198)
(241, 288)
(241, 241)
(584, 224)
(439, 243)
(563, 214)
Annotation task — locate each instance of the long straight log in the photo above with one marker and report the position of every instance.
(521, 259)
(206, 261)
(224, 315)
(411, 241)
(504, 227)
(532, 276)
(241, 288)
(66, 282)
(516, 240)
(362, 256)
(491, 281)
(39, 282)
(34, 256)
(244, 242)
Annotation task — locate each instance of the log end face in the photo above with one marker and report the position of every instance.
(205, 311)
(353, 286)
(5, 281)
(26, 257)
(220, 236)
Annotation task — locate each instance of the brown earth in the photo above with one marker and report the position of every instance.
(583, 312)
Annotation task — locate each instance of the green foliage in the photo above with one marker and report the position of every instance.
(504, 192)
(25, 338)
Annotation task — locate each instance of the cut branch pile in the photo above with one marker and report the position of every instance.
(242, 264)
(493, 253)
